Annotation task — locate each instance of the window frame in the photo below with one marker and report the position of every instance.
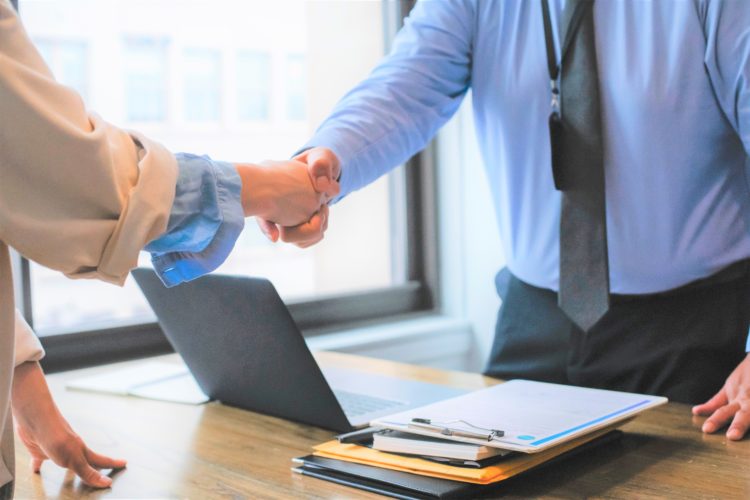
(417, 296)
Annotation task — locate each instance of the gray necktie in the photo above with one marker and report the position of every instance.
(584, 270)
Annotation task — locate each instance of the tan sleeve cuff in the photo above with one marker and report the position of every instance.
(28, 347)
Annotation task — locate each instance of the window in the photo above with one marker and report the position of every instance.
(295, 87)
(253, 85)
(248, 83)
(145, 78)
(68, 61)
(202, 85)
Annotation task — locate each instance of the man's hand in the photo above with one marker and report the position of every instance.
(731, 403)
(47, 434)
(323, 168)
(279, 192)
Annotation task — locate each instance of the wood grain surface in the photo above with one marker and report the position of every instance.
(215, 451)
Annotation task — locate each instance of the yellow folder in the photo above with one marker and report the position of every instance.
(510, 467)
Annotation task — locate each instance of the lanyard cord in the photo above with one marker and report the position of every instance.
(552, 67)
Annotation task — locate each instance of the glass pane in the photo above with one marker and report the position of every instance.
(253, 85)
(68, 61)
(145, 78)
(202, 85)
(295, 87)
(240, 81)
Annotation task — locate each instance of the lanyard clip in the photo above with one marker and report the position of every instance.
(555, 103)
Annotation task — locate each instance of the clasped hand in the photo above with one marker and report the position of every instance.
(290, 198)
(323, 168)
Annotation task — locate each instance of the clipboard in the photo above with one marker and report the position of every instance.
(522, 415)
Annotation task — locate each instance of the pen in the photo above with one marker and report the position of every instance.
(358, 436)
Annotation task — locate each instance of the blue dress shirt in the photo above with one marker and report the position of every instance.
(205, 222)
(675, 90)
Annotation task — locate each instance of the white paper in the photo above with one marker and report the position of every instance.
(155, 380)
(181, 389)
(534, 415)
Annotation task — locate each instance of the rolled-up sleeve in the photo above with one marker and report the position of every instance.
(28, 347)
(84, 197)
(205, 221)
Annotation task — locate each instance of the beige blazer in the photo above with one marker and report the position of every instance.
(76, 194)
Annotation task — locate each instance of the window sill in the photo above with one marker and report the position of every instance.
(434, 340)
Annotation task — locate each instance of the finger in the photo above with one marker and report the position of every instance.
(36, 463)
(102, 462)
(307, 235)
(740, 425)
(720, 418)
(309, 231)
(268, 228)
(713, 404)
(309, 243)
(89, 475)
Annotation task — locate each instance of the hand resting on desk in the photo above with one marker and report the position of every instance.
(731, 403)
(46, 433)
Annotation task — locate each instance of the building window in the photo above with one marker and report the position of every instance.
(253, 86)
(296, 87)
(202, 73)
(68, 61)
(145, 65)
(263, 58)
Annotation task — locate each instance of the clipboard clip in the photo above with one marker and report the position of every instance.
(443, 428)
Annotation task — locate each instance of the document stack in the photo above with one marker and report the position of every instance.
(466, 445)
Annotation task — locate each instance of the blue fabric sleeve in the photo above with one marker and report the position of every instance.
(206, 220)
(727, 60)
(394, 113)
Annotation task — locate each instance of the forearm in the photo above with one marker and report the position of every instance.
(31, 397)
(394, 113)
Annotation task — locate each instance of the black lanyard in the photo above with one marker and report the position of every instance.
(575, 21)
(555, 117)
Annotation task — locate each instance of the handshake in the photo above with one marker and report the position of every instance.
(290, 198)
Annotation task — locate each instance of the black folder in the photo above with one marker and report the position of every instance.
(404, 485)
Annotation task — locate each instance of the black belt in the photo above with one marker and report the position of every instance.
(733, 272)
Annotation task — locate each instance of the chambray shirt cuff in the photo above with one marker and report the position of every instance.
(205, 222)
(747, 344)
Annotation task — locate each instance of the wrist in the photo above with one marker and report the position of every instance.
(257, 200)
(30, 396)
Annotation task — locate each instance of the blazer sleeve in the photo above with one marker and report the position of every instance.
(76, 194)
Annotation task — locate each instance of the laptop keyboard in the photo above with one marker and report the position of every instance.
(355, 404)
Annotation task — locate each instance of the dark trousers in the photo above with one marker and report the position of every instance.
(681, 344)
(6, 491)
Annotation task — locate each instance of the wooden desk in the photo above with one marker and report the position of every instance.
(214, 451)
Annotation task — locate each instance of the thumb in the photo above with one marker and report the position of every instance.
(323, 168)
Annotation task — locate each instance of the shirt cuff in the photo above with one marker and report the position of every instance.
(28, 347)
(205, 222)
(747, 344)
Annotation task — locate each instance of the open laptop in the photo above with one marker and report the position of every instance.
(244, 349)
